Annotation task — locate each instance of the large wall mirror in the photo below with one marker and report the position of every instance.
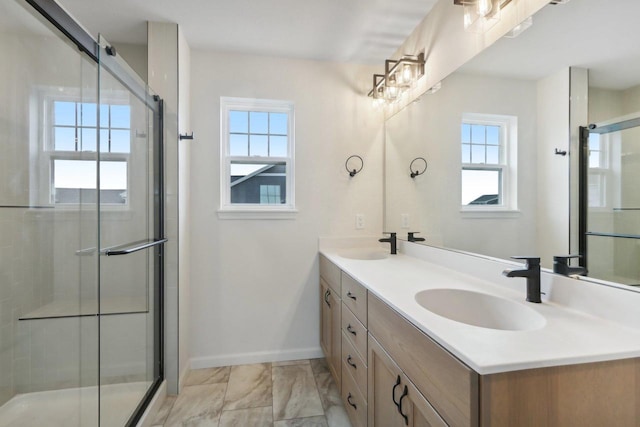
(501, 138)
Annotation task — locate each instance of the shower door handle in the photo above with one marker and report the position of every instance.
(130, 248)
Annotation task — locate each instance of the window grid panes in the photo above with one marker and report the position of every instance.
(75, 127)
(258, 133)
(269, 194)
(596, 153)
(481, 144)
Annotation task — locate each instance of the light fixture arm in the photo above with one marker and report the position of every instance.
(399, 74)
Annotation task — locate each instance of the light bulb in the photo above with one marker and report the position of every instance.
(484, 7)
(392, 92)
(407, 74)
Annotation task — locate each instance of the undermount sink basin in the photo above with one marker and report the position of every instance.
(364, 253)
(478, 309)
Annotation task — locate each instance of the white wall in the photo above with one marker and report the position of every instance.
(553, 179)
(254, 283)
(184, 208)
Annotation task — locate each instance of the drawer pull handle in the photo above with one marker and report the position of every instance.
(393, 392)
(326, 297)
(350, 329)
(350, 402)
(404, 394)
(350, 362)
(350, 295)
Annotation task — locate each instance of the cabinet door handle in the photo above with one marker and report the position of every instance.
(404, 394)
(350, 402)
(350, 329)
(393, 391)
(350, 295)
(350, 362)
(326, 297)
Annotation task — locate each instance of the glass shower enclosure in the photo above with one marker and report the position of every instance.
(81, 226)
(610, 199)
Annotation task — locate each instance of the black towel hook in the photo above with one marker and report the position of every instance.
(353, 172)
(417, 172)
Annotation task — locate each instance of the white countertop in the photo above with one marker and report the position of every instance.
(568, 337)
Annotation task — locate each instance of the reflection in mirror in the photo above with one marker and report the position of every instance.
(493, 135)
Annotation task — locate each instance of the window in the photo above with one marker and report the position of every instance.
(257, 162)
(488, 147)
(598, 170)
(71, 145)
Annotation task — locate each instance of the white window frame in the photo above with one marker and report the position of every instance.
(603, 173)
(508, 167)
(48, 153)
(230, 210)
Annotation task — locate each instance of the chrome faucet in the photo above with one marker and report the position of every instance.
(412, 238)
(392, 240)
(561, 265)
(532, 273)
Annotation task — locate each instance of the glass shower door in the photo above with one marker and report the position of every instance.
(610, 237)
(130, 241)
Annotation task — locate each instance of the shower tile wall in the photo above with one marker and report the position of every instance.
(24, 285)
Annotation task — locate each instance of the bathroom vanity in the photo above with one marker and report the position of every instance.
(503, 362)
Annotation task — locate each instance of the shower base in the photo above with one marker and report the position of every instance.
(74, 406)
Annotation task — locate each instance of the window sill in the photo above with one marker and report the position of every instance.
(257, 213)
(490, 213)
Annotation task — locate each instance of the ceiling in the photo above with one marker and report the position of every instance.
(366, 31)
(601, 36)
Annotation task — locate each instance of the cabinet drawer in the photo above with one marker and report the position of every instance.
(355, 331)
(354, 296)
(330, 273)
(354, 364)
(354, 403)
(450, 386)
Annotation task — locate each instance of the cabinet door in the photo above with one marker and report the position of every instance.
(330, 332)
(384, 388)
(394, 401)
(417, 410)
(325, 319)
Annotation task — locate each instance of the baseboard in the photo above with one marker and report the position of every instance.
(256, 357)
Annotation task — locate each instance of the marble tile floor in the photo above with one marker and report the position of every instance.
(298, 393)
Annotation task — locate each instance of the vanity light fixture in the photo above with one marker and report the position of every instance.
(399, 75)
(481, 15)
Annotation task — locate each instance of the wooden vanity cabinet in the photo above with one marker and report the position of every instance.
(591, 394)
(391, 374)
(331, 317)
(393, 399)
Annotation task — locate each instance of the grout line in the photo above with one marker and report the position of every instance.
(224, 396)
(273, 406)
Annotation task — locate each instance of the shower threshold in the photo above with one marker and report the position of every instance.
(73, 407)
